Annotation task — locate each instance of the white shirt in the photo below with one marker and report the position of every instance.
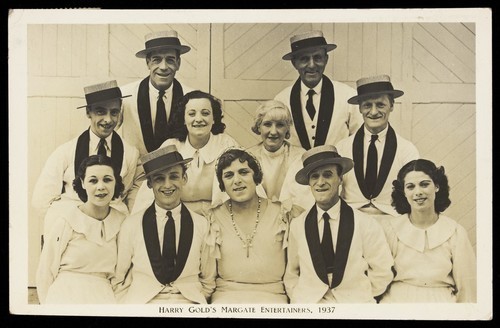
(153, 99)
(334, 213)
(94, 144)
(310, 124)
(161, 220)
(379, 144)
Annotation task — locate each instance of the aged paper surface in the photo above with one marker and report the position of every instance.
(19, 149)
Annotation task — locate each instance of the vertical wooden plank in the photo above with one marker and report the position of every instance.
(78, 51)
(396, 51)
(407, 82)
(203, 56)
(355, 47)
(97, 50)
(64, 57)
(384, 49)
(339, 56)
(49, 50)
(34, 48)
(369, 49)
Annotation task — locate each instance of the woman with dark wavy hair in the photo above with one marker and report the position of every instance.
(80, 250)
(434, 259)
(199, 134)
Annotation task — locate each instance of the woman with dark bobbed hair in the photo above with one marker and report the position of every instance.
(434, 259)
(199, 134)
(80, 250)
(247, 238)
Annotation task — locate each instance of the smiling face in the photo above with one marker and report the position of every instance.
(376, 112)
(273, 130)
(239, 182)
(310, 64)
(163, 64)
(420, 191)
(104, 117)
(199, 117)
(324, 182)
(99, 184)
(167, 186)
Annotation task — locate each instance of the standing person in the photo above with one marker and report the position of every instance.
(198, 133)
(53, 189)
(377, 150)
(160, 247)
(336, 254)
(275, 154)
(433, 258)
(79, 255)
(321, 114)
(247, 235)
(146, 117)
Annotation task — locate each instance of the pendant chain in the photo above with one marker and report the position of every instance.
(248, 243)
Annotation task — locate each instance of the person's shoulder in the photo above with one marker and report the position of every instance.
(347, 141)
(338, 85)
(130, 87)
(284, 93)
(129, 149)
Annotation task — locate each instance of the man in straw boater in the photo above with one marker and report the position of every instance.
(320, 112)
(146, 121)
(377, 150)
(54, 187)
(336, 254)
(160, 247)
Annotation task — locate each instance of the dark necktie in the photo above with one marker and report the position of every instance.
(309, 104)
(160, 120)
(169, 244)
(327, 244)
(371, 165)
(101, 150)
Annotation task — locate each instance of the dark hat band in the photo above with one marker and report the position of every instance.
(103, 95)
(307, 43)
(376, 87)
(159, 42)
(320, 156)
(163, 161)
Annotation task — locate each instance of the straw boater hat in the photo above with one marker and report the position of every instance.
(374, 86)
(102, 92)
(161, 159)
(320, 156)
(162, 40)
(308, 40)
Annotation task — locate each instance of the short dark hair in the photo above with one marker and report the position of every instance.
(91, 161)
(180, 131)
(437, 175)
(230, 156)
(389, 96)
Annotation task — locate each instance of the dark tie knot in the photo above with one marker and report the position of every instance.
(162, 93)
(169, 215)
(101, 150)
(311, 93)
(326, 216)
(374, 137)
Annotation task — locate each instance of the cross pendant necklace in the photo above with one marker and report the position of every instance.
(248, 243)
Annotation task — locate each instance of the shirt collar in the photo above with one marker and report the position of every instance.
(207, 153)
(162, 213)
(333, 212)
(153, 92)
(381, 135)
(94, 140)
(304, 89)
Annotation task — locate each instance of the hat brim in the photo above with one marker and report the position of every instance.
(302, 176)
(327, 47)
(356, 99)
(182, 50)
(143, 176)
(103, 101)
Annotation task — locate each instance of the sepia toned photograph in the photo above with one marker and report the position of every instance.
(323, 164)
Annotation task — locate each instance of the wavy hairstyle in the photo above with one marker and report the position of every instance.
(180, 131)
(278, 108)
(232, 154)
(82, 169)
(438, 176)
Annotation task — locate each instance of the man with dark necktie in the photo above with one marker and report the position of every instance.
(320, 112)
(146, 118)
(54, 189)
(377, 150)
(160, 247)
(336, 254)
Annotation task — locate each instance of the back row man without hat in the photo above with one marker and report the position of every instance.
(146, 118)
(320, 112)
